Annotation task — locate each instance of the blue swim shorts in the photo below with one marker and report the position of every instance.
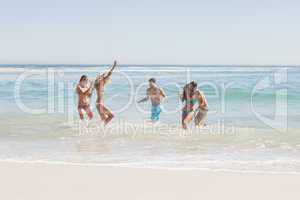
(155, 112)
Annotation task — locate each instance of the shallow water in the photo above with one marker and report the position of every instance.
(252, 122)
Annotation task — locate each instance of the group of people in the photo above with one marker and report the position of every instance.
(191, 96)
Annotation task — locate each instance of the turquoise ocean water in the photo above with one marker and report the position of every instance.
(253, 120)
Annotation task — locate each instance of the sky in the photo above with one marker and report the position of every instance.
(231, 32)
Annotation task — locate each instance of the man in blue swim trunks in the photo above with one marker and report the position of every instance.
(156, 95)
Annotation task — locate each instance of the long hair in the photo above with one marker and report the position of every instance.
(188, 90)
(83, 78)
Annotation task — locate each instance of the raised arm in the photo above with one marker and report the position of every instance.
(81, 90)
(91, 88)
(111, 70)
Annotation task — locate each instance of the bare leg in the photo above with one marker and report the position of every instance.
(200, 118)
(187, 120)
(101, 112)
(80, 113)
(104, 112)
(109, 115)
(89, 112)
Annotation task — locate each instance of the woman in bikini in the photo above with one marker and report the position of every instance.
(191, 95)
(84, 90)
(100, 82)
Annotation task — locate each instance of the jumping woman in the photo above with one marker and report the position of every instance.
(100, 83)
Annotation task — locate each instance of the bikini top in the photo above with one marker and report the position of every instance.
(191, 101)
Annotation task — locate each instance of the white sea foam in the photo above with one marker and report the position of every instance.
(143, 166)
(237, 140)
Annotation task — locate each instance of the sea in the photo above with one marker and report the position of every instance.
(253, 122)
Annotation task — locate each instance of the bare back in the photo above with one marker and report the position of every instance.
(99, 86)
(202, 100)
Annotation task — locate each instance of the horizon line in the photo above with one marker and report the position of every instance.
(173, 65)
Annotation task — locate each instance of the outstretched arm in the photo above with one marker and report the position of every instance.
(111, 70)
(145, 98)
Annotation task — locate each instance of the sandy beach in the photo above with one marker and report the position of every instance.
(31, 181)
(149, 100)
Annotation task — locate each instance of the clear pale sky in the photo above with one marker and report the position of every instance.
(150, 32)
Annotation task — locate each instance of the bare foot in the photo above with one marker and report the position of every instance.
(108, 119)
